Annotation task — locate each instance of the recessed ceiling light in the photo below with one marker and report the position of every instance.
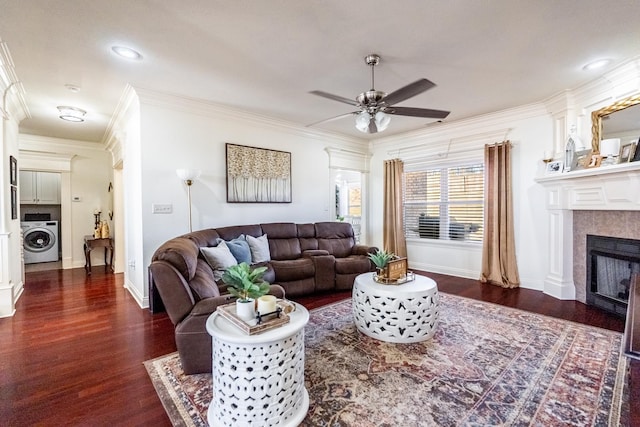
(596, 64)
(127, 52)
(71, 114)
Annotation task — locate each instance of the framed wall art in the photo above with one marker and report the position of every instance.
(14, 202)
(257, 175)
(13, 170)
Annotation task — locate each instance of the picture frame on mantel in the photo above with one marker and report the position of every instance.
(257, 175)
(554, 167)
(594, 161)
(626, 153)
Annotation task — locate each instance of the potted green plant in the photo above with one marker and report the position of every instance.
(247, 285)
(380, 259)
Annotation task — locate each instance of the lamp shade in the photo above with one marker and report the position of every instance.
(382, 121)
(610, 147)
(188, 174)
(362, 121)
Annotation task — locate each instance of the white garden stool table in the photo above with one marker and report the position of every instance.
(258, 379)
(403, 313)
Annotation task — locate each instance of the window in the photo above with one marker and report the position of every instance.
(445, 203)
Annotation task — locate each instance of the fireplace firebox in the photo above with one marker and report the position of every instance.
(611, 263)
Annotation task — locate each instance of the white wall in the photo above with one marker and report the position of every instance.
(181, 133)
(529, 128)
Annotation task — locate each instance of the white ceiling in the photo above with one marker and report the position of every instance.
(265, 56)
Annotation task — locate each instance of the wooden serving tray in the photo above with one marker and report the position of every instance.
(228, 311)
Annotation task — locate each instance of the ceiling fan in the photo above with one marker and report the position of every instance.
(374, 106)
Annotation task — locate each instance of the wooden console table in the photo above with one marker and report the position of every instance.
(90, 243)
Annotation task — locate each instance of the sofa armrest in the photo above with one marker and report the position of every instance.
(314, 252)
(173, 289)
(363, 250)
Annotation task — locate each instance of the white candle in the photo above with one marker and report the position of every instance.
(96, 211)
(266, 304)
(548, 155)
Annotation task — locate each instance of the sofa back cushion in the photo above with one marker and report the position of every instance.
(307, 237)
(283, 240)
(233, 232)
(203, 284)
(335, 237)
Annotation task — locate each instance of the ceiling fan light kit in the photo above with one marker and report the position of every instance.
(375, 106)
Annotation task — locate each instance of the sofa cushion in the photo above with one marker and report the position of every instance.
(307, 237)
(203, 284)
(335, 237)
(259, 248)
(239, 249)
(219, 258)
(294, 269)
(352, 265)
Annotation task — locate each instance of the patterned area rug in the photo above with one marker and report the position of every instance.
(486, 365)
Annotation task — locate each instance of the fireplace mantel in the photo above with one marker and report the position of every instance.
(613, 188)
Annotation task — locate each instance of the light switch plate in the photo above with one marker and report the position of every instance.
(158, 208)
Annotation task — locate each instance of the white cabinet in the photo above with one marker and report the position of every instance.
(41, 188)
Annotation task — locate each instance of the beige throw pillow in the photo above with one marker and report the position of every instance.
(259, 249)
(219, 258)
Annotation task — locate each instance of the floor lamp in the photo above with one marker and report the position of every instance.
(188, 176)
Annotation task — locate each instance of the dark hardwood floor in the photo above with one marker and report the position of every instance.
(73, 352)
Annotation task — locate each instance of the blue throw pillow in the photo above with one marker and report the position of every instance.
(239, 249)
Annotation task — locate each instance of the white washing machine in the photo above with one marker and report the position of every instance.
(40, 241)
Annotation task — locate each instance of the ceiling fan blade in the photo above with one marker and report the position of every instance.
(417, 112)
(335, 97)
(406, 92)
(341, 116)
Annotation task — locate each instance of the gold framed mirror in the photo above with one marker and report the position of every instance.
(606, 114)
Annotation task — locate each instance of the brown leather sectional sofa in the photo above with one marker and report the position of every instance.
(305, 259)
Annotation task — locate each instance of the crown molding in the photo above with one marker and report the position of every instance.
(211, 109)
(478, 125)
(48, 144)
(13, 102)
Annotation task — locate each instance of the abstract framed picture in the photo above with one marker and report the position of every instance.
(13, 170)
(257, 175)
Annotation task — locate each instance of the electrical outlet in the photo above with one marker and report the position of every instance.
(158, 208)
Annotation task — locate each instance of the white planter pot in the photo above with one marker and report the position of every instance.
(246, 310)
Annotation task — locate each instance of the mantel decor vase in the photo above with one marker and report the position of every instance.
(246, 309)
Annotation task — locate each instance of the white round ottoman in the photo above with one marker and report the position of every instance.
(403, 313)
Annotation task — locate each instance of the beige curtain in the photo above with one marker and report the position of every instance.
(393, 224)
(499, 250)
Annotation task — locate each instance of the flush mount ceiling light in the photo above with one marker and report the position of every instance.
(71, 114)
(596, 64)
(127, 52)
